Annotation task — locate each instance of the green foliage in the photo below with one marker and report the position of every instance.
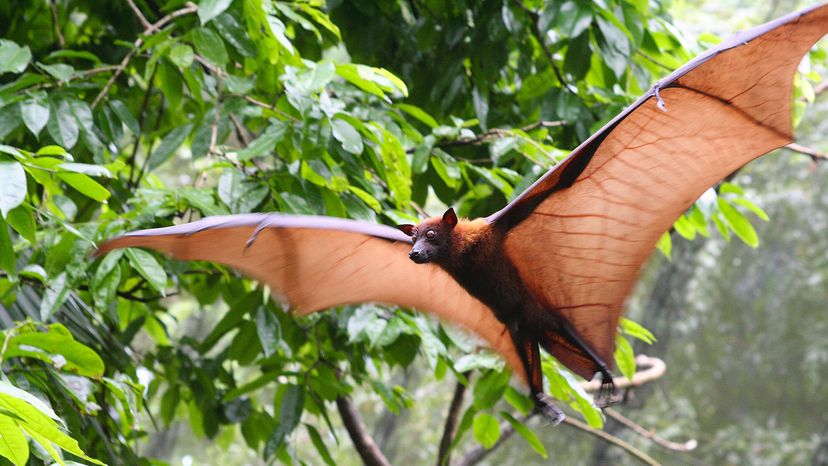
(364, 110)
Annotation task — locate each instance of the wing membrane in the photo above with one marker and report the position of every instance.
(316, 263)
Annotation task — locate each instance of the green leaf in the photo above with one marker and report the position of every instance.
(77, 357)
(489, 389)
(181, 55)
(148, 267)
(347, 135)
(419, 114)
(53, 298)
(527, 434)
(265, 142)
(269, 330)
(60, 71)
(44, 430)
(106, 279)
(13, 58)
(85, 168)
(744, 202)
(13, 444)
(486, 429)
(665, 244)
(62, 124)
(13, 186)
(10, 390)
(209, 44)
(233, 32)
(125, 116)
(22, 220)
(320, 445)
(634, 329)
(85, 185)
(624, 357)
(209, 9)
(35, 113)
(168, 145)
(738, 223)
(7, 260)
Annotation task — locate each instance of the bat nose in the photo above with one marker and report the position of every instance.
(417, 256)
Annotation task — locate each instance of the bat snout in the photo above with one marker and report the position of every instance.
(418, 256)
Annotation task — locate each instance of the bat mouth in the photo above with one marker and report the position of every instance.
(418, 257)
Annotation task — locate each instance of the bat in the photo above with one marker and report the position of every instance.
(551, 269)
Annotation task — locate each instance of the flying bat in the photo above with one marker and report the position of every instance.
(551, 269)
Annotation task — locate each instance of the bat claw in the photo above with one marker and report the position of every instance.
(547, 409)
(659, 100)
(605, 396)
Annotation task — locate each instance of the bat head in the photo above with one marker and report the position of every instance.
(431, 238)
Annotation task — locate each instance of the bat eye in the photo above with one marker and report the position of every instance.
(431, 234)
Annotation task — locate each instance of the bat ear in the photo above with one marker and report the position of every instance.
(408, 229)
(450, 218)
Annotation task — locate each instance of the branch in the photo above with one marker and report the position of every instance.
(821, 88)
(638, 454)
(533, 17)
(495, 133)
(56, 24)
(153, 28)
(272, 108)
(814, 154)
(649, 434)
(367, 449)
(141, 18)
(654, 369)
(217, 110)
(444, 454)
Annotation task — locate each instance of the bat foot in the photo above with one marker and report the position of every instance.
(605, 396)
(547, 409)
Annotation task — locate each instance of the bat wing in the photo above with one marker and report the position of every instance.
(580, 234)
(315, 263)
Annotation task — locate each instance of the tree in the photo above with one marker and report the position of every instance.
(128, 114)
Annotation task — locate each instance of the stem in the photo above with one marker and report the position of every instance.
(367, 449)
(452, 418)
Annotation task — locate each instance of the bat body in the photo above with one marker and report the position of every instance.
(472, 253)
(554, 266)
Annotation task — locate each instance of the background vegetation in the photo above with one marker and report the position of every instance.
(119, 115)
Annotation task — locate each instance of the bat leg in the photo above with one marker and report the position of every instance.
(530, 357)
(604, 397)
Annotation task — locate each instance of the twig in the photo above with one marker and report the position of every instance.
(638, 454)
(814, 154)
(649, 434)
(821, 88)
(495, 133)
(444, 453)
(240, 131)
(367, 449)
(141, 18)
(534, 19)
(654, 368)
(217, 113)
(141, 116)
(56, 24)
(153, 28)
(272, 108)
(654, 61)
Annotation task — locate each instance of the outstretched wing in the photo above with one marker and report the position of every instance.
(580, 234)
(316, 263)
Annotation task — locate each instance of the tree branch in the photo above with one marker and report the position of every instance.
(153, 28)
(478, 452)
(649, 434)
(56, 24)
(444, 454)
(814, 154)
(533, 18)
(367, 449)
(638, 454)
(654, 368)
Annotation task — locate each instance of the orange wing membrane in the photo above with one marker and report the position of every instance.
(580, 234)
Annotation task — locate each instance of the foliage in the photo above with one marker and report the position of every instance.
(117, 118)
